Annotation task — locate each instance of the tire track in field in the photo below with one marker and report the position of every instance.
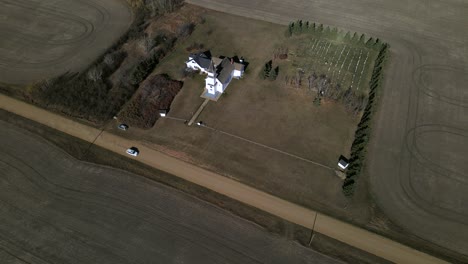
(136, 211)
(83, 27)
(120, 206)
(53, 13)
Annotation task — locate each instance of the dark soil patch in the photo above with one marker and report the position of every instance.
(156, 93)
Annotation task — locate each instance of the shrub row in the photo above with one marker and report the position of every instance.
(146, 66)
(363, 131)
(83, 95)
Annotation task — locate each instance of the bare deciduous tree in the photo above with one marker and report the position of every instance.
(109, 59)
(95, 74)
(45, 85)
(323, 84)
(146, 43)
(311, 80)
(162, 6)
(299, 75)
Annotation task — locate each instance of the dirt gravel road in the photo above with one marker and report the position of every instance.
(418, 159)
(55, 209)
(44, 38)
(344, 232)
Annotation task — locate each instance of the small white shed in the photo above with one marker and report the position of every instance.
(163, 112)
(343, 163)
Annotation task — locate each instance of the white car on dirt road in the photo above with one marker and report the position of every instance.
(133, 151)
(123, 127)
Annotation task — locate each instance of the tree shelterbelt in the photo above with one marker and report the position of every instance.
(362, 134)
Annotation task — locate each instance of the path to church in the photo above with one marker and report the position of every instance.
(198, 112)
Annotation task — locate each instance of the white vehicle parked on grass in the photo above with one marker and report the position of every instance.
(133, 151)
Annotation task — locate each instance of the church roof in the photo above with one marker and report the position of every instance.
(224, 70)
(202, 58)
(223, 67)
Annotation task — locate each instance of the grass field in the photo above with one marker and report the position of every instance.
(263, 133)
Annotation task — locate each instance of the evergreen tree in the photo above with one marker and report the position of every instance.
(362, 39)
(377, 43)
(347, 37)
(274, 73)
(370, 42)
(320, 28)
(348, 187)
(290, 29)
(267, 69)
(334, 32)
(317, 101)
(298, 27)
(313, 27)
(354, 38)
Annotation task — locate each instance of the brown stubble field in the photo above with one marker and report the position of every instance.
(58, 209)
(303, 141)
(42, 39)
(417, 159)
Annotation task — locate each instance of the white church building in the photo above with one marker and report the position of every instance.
(220, 71)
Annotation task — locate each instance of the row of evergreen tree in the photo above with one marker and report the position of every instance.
(301, 27)
(362, 134)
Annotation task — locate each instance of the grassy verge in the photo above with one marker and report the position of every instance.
(82, 151)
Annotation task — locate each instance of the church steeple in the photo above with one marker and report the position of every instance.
(211, 78)
(212, 69)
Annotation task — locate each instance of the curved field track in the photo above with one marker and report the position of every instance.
(418, 161)
(43, 38)
(55, 209)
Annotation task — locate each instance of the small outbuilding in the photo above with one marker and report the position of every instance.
(343, 163)
(163, 112)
